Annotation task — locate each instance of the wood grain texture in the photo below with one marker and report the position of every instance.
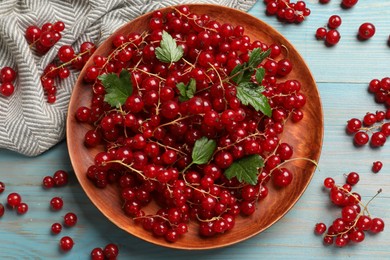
(342, 74)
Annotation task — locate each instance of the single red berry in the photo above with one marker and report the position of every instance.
(321, 33)
(14, 199)
(48, 182)
(111, 251)
(329, 183)
(66, 243)
(59, 26)
(33, 33)
(378, 139)
(332, 37)
(56, 228)
(60, 178)
(56, 203)
(22, 208)
(354, 125)
(377, 166)
(353, 178)
(70, 219)
(334, 21)
(377, 225)
(361, 138)
(97, 254)
(366, 31)
(2, 187)
(320, 228)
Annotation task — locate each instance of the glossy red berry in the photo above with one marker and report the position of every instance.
(66, 243)
(22, 208)
(7, 74)
(56, 228)
(366, 31)
(70, 219)
(320, 228)
(377, 166)
(111, 251)
(332, 37)
(334, 21)
(14, 199)
(348, 3)
(2, 187)
(56, 203)
(352, 178)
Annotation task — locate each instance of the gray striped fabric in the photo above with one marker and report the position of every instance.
(28, 124)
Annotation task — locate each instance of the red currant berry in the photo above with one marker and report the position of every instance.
(33, 33)
(329, 183)
(60, 178)
(2, 209)
(378, 139)
(361, 138)
(321, 33)
(348, 3)
(377, 225)
(111, 251)
(7, 89)
(320, 228)
(70, 219)
(282, 177)
(377, 166)
(56, 203)
(366, 31)
(14, 199)
(354, 125)
(22, 208)
(56, 228)
(334, 21)
(352, 178)
(66, 243)
(332, 37)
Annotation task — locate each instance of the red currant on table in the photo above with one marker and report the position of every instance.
(7, 74)
(97, 254)
(7, 89)
(66, 243)
(378, 139)
(70, 219)
(22, 208)
(321, 33)
(60, 178)
(366, 31)
(56, 228)
(332, 37)
(320, 228)
(377, 166)
(111, 251)
(353, 178)
(334, 21)
(361, 138)
(48, 182)
(56, 203)
(14, 199)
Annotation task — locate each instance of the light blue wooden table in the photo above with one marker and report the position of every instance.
(342, 74)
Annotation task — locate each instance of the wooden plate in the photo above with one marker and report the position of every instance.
(305, 137)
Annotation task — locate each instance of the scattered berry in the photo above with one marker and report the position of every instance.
(70, 219)
(320, 228)
(14, 199)
(2, 209)
(66, 243)
(377, 166)
(111, 251)
(56, 203)
(2, 187)
(334, 21)
(97, 254)
(366, 31)
(348, 3)
(22, 208)
(56, 228)
(321, 33)
(332, 37)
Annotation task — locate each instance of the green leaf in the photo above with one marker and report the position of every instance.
(259, 75)
(257, 56)
(168, 51)
(248, 95)
(186, 91)
(245, 169)
(237, 73)
(118, 88)
(203, 150)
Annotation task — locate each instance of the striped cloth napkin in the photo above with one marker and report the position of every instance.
(28, 124)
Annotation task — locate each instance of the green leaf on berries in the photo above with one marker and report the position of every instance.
(203, 150)
(259, 75)
(256, 56)
(245, 169)
(168, 51)
(186, 91)
(243, 72)
(251, 94)
(118, 88)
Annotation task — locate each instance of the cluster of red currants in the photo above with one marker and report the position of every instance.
(45, 37)
(150, 139)
(14, 201)
(287, 11)
(375, 123)
(7, 76)
(355, 218)
(331, 36)
(68, 59)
